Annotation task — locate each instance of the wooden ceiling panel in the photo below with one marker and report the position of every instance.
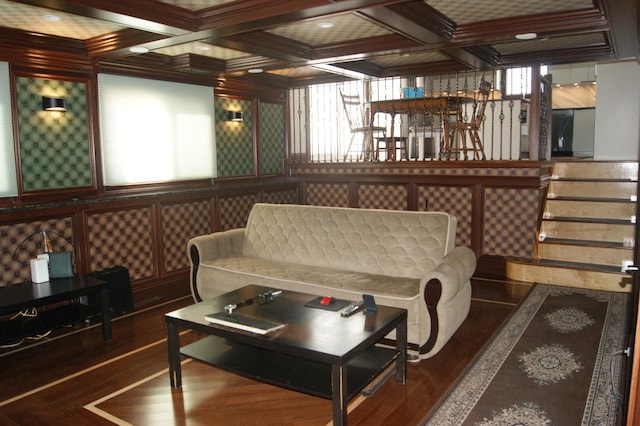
(226, 38)
(478, 11)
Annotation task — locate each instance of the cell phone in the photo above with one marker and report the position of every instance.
(369, 303)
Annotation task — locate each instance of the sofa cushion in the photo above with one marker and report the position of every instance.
(390, 243)
(357, 283)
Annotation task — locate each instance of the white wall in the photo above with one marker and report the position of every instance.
(617, 128)
(583, 132)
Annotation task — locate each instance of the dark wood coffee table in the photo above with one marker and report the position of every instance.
(318, 352)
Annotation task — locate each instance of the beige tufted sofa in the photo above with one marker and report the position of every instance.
(405, 259)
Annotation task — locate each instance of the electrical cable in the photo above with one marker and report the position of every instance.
(26, 313)
(39, 232)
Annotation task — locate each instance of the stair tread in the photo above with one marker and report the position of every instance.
(588, 220)
(592, 199)
(590, 179)
(578, 265)
(577, 242)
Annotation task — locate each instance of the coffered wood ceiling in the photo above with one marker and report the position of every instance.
(222, 39)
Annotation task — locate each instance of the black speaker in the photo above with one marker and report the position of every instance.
(120, 296)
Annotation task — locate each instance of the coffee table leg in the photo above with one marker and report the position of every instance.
(173, 348)
(401, 346)
(106, 314)
(339, 385)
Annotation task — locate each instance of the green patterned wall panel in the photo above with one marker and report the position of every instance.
(234, 140)
(272, 138)
(54, 146)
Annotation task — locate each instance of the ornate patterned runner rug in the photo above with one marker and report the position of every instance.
(550, 364)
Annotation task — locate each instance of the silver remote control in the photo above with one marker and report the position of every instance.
(352, 309)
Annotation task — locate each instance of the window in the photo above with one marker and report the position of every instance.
(518, 80)
(330, 134)
(155, 131)
(8, 185)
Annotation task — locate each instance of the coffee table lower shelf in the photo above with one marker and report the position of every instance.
(288, 371)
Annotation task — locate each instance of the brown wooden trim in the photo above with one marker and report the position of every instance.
(431, 297)
(154, 292)
(114, 45)
(545, 25)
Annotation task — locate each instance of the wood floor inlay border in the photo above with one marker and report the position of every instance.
(92, 406)
(82, 372)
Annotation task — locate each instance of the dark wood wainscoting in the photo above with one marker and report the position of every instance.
(148, 234)
(497, 206)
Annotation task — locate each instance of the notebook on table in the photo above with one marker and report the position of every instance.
(252, 325)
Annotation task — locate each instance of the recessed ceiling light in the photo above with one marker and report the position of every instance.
(526, 36)
(51, 17)
(325, 25)
(255, 70)
(138, 49)
(202, 47)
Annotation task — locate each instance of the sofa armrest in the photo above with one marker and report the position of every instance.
(212, 246)
(453, 272)
(444, 284)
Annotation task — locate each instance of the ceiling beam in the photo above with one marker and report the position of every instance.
(423, 24)
(544, 25)
(145, 15)
(624, 16)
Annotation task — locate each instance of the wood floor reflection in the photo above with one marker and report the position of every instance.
(77, 378)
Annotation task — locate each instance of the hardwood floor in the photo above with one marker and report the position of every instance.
(79, 379)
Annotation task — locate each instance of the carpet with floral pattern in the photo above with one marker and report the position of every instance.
(550, 364)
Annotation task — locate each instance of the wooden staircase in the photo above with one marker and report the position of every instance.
(587, 230)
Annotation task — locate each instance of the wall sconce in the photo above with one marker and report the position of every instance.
(235, 115)
(53, 104)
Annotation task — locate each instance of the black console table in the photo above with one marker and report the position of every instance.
(16, 297)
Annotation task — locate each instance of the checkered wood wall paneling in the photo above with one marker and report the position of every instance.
(234, 210)
(281, 197)
(327, 194)
(510, 221)
(21, 242)
(123, 238)
(455, 200)
(180, 223)
(383, 196)
(54, 146)
(272, 138)
(234, 140)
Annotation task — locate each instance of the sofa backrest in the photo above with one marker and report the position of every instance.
(395, 243)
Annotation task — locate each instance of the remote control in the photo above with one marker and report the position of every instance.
(352, 309)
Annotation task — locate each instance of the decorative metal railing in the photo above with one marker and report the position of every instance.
(412, 110)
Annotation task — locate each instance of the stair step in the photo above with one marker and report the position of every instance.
(582, 265)
(600, 179)
(594, 231)
(628, 200)
(589, 189)
(596, 169)
(577, 242)
(569, 274)
(605, 221)
(589, 208)
(609, 257)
